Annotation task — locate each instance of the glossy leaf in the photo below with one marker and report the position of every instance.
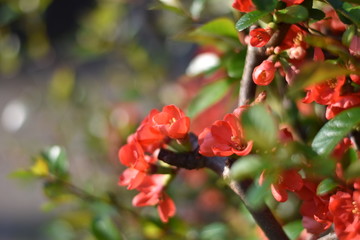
(292, 14)
(265, 5)
(335, 130)
(260, 127)
(104, 229)
(208, 96)
(326, 186)
(246, 167)
(249, 19)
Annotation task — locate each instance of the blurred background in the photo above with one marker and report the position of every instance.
(82, 74)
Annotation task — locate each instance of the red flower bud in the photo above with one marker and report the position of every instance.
(259, 37)
(264, 73)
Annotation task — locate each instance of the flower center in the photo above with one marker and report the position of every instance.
(355, 209)
(332, 83)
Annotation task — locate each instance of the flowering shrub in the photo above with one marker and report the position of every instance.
(292, 135)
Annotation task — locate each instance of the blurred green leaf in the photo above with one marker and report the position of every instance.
(316, 72)
(208, 96)
(214, 231)
(335, 130)
(265, 5)
(220, 26)
(293, 229)
(249, 19)
(57, 161)
(40, 167)
(292, 14)
(256, 194)
(348, 35)
(260, 127)
(54, 189)
(235, 64)
(329, 44)
(343, 10)
(104, 229)
(22, 174)
(316, 14)
(326, 186)
(353, 170)
(246, 167)
(174, 7)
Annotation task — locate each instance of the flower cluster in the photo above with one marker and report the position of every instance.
(140, 156)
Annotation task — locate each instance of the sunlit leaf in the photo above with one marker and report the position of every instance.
(259, 126)
(208, 96)
(326, 186)
(292, 14)
(335, 130)
(249, 19)
(40, 167)
(293, 229)
(104, 229)
(246, 167)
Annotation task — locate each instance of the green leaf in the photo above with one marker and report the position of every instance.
(104, 229)
(265, 5)
(316, 72)
(348, 35)
(345, 12)
(260, 127)
(328, 44)
(292, 14)
(316, 14)
(208, 96)
(335, 130)
(57, 161)
(221, 27)
(235, 64)
(249, 19)
(214, 231)
(293, 229)
(174, 7)
(246, 167)
(22, 174)
(326, 186)
(353, 171)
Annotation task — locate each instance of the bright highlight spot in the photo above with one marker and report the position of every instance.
(201, 63)
(13, 116)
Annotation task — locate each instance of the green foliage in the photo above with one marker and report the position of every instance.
(235, 64)
(249, 19)
(246, 167)
(293, 229)
(104, 229)
(260, 127)
(265, 5)
(335, 130)
(208, 96)
(57, 161)
(292, 14)
(326, 186)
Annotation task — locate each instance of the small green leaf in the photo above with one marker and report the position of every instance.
(335, 130)
(208, 96)
(292, 14)
(221, 27)
(22, 174)
(260, 127)
(348, 35)
(235, 64)
(246, 167)
(316, 14)
(326, 186)
(214, 231)
(265, 5)
(104, 229)
(353, 171)
(316, 72)
(249, 19)
(293, 229)
(57, 161)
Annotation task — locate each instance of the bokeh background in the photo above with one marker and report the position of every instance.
(81, 74)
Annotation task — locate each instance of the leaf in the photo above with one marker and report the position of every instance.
(235, 64)
(57, 161)
(259, 127)
(174, 7)
(214, 231)
(328, 44)
(221, 27)
(40, 167)
(344, 11)
(265, 5)
(292, 14)
(348, 35)
(246, 167)
(249, 19)
(104, 229)
(316, 14)
(316, 72)
(335, 130)
(293, 229)
(353, 171)
(22, 174)
(209, 95)
(326, 186)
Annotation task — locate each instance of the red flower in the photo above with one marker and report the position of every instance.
(244, 5)
(166, 207)
(133, 156)
(343, 103)
(325, 93)
(345, 209)
(172, 122)
(264, 73)
(292, 2)
(131, 178)
(290, 180)
(259, 37)
(224, 138)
